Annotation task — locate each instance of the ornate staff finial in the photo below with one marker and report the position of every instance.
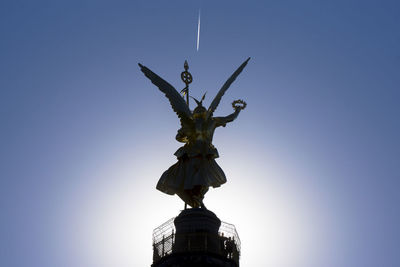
(186, 65)
(187, 79)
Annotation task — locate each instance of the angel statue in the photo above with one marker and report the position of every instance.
(196, 169)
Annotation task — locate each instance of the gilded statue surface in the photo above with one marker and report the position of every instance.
(196, 169)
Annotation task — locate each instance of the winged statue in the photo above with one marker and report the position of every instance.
(196, 169)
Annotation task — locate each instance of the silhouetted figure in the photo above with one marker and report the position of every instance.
(229, 244)
(235, 252)
(223, 240)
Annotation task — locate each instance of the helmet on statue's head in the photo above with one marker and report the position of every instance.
(199, 110)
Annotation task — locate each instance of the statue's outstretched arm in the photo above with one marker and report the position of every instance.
(222, 121)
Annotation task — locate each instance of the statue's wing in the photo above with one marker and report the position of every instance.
(177, 102)
(223, 89)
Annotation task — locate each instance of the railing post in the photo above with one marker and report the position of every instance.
(155, 258)
(162, 253)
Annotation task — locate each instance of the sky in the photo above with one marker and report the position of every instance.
(312, 163)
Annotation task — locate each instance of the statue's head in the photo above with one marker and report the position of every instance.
(199, 111)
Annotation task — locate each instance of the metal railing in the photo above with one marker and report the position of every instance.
(228, 242)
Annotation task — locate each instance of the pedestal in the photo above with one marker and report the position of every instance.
(196, 242)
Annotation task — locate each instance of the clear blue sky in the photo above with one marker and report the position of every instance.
(313, 163)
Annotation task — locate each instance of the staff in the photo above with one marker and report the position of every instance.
(187, 79)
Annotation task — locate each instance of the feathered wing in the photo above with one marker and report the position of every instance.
(177, 102)
(223, 89)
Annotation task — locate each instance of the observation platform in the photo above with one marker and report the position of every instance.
(196, 237)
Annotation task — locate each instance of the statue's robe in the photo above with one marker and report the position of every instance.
(196, 169)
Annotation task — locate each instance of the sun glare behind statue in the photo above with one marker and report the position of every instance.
(120, 207)
(271, 219)
(108, 219)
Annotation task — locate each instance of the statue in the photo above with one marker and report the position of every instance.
(196, 169)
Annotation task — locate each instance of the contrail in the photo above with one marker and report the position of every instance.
(198, 32)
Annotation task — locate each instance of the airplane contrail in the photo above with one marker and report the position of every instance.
(198, 32)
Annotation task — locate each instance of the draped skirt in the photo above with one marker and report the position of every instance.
(190, 173)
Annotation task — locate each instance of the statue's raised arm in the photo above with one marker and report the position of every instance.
(177, 102)
(222, 121)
